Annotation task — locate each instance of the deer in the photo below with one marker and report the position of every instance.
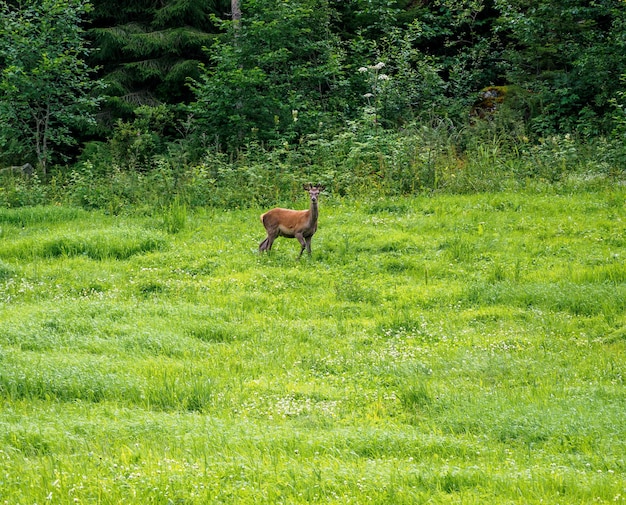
(300, 224)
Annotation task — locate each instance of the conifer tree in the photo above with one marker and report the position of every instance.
(147, 50)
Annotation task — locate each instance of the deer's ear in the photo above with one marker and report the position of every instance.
(306, 186)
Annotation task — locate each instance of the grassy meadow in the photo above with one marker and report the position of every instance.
(442, 350)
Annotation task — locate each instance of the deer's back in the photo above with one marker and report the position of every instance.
(287, 217)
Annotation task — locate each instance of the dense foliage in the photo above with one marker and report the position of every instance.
(570, 55)
(44, 81)
(278, 76)
(401, 96)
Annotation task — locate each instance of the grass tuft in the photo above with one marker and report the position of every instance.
(175, 216)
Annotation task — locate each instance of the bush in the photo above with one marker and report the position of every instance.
(21, 191)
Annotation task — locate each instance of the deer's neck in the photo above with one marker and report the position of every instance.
(313, 213)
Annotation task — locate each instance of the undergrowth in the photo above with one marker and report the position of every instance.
(361, 162)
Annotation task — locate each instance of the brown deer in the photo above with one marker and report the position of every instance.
(300, 224)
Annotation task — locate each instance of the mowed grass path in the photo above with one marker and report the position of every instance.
(451, 349)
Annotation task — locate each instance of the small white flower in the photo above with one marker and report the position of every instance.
(363, 69)
(383, 77)
(379, 65)
(368, 95)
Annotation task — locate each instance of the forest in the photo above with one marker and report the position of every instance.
(110, 103)
(456, 335)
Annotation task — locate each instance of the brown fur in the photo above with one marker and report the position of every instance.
(300, 224)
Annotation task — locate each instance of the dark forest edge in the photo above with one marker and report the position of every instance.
(140, 106)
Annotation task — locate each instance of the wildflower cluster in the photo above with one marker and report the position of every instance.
(376, 76)
(377, 81)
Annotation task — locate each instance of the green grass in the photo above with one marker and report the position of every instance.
(451, 349)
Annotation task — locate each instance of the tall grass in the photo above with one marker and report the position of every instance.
(441, 349)
(97, 245)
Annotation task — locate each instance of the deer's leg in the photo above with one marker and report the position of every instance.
(302, 241)
(308, 245)
(270, 242)
(266, 245)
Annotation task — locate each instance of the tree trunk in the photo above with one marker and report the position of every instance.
(235, 8)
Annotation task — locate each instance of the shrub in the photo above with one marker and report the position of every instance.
(20, 191)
